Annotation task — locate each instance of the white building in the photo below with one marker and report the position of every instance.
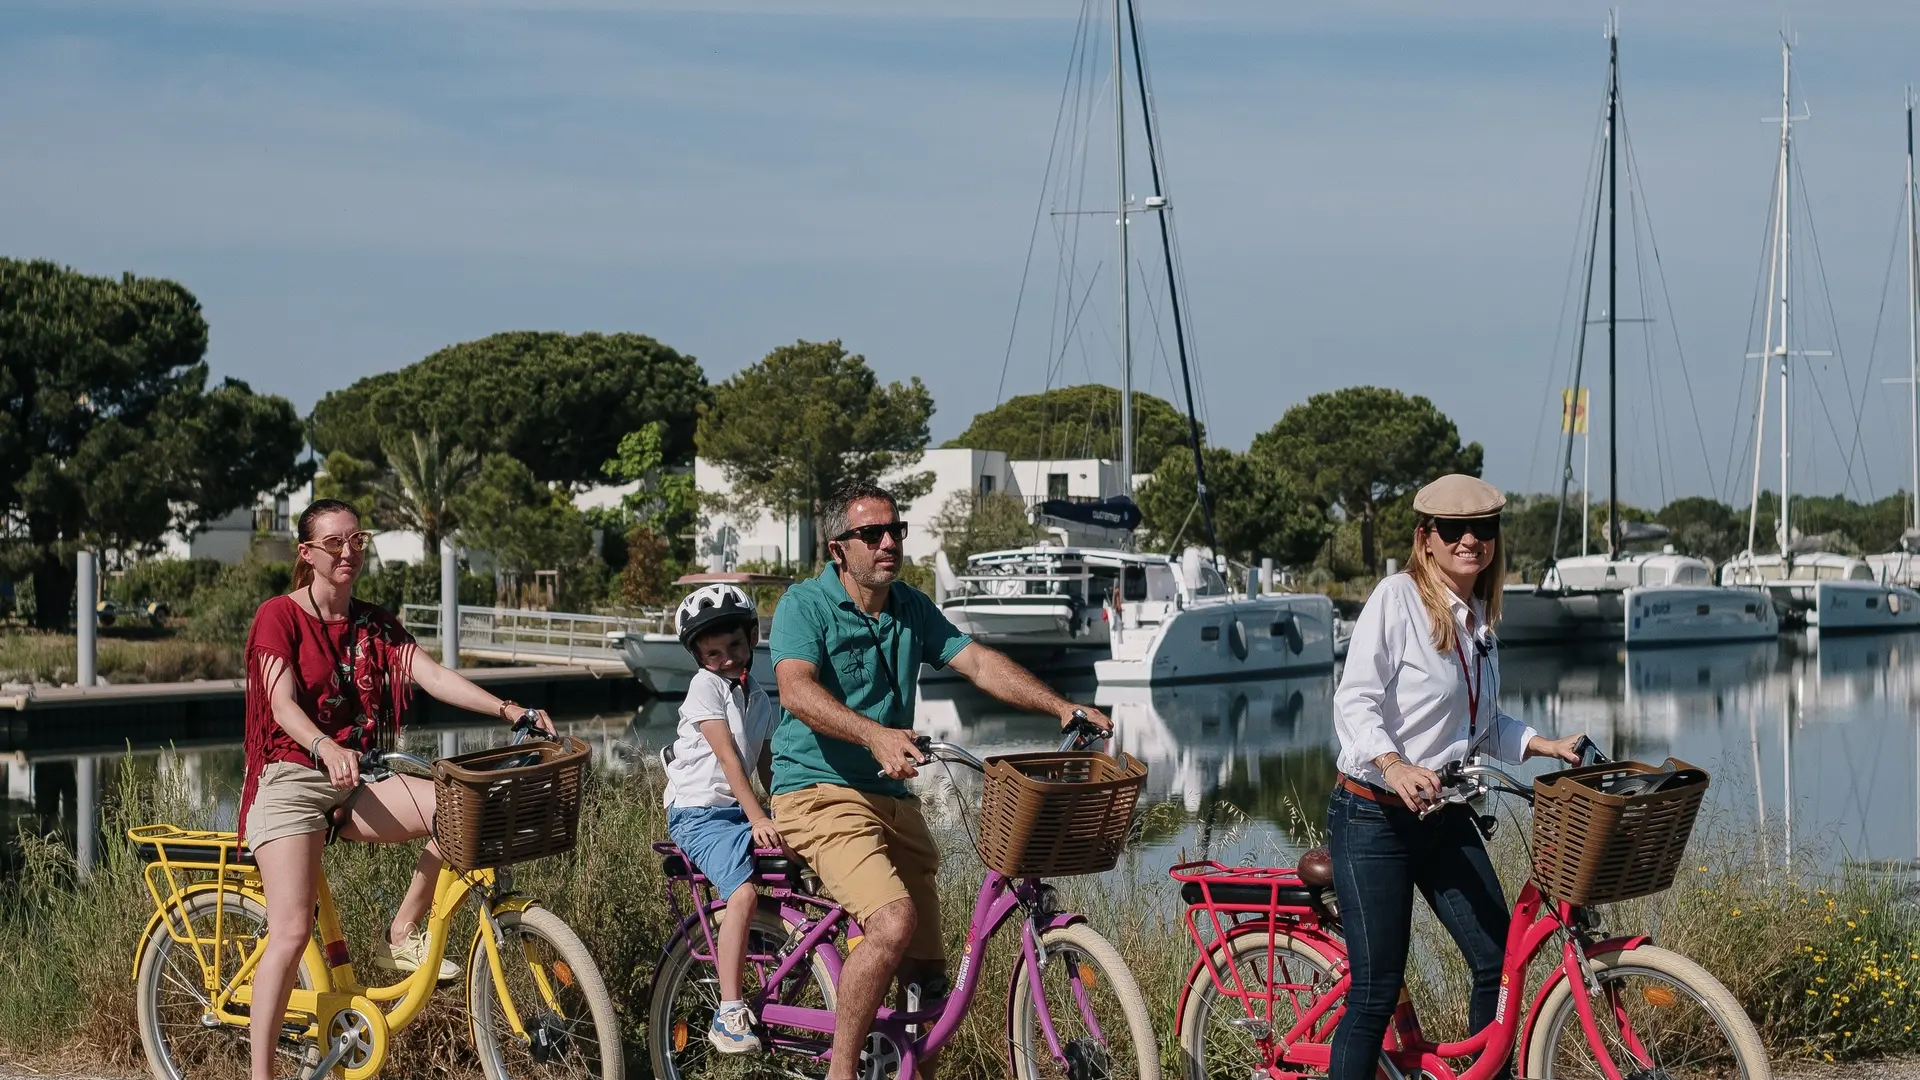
(726, 541)
(267, 525)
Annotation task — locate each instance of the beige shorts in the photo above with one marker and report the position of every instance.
(870, 851)
(292, 800)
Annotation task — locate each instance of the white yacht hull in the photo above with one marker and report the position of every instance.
(1015, 621)
(666, 668)
(1225, 638)
(1863, 607)
(1691, 615)
(1641, 615)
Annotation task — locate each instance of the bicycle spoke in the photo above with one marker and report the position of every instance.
(1650, 1025)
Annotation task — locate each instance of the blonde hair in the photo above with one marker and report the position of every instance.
(1436, 594)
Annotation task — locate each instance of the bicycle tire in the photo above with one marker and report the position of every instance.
(1549, 1059)
(1029, 1055)
(583, 1036)
(768, 933)
(1198, 1000)
(225, 1049)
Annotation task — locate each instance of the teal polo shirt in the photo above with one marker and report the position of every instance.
(819, 623)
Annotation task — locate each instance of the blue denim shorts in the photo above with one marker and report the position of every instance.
(719, 841)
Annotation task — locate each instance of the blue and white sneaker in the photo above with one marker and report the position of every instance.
(732, 1031)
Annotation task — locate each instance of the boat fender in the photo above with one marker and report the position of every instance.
(1237, 640)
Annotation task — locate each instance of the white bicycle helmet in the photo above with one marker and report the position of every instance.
(713, 607)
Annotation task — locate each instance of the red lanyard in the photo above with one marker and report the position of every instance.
(1474, 683)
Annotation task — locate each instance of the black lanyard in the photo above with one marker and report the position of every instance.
(884, 657)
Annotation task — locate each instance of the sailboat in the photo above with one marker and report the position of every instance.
(1902, 567)
(1139, 617)
(1641, 598)
(1834, 592)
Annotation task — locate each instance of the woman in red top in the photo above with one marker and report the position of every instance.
(328, 677)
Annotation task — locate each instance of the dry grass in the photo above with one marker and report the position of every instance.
(1827, 968)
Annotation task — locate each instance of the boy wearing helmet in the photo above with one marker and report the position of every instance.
(711, 810)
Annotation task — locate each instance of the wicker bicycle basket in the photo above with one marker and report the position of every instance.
(1058, 814)
(509, 804)
(1590, 847)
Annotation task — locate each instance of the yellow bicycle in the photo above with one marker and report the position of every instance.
(536, 1003)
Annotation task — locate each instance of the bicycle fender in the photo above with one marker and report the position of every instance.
(1200, 962)
(153, 922)
(1613, 944)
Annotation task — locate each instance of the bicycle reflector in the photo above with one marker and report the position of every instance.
(679, 1035)
(1088, 977)
(1660, 997)
(563, 972)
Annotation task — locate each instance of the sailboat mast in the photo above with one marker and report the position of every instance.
(1913, 321)
(1786, 281)
(1173, 282)
(1126, 322)
(1613, 282)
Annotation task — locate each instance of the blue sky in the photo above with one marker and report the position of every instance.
(1383, 192)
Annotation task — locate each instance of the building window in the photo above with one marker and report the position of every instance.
(1056, 485)
(986, 485)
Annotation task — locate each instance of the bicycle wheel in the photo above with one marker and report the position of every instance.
(1659, 1014)
(171, 996)
(556, 991)
(1218, 1040)
(1095, 1007)
(687, 992)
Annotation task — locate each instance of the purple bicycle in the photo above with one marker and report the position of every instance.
(1074, 1010)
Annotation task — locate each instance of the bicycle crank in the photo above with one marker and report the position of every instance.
(356, 1042)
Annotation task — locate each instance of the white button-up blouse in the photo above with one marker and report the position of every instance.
(1400, 693)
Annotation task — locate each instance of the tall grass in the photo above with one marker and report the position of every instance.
(1827, 967)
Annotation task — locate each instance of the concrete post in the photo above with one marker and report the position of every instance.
(449, 603)
(86, 612)
(1266, 575)
(86, 823)
(1393, 567)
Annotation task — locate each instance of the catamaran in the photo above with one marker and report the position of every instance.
(1663, 598)
(1832, 591)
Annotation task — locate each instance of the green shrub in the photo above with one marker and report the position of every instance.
(174, 582)
(224, 612)
(397, 583)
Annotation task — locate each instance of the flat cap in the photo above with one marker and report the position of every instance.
(1457, 495)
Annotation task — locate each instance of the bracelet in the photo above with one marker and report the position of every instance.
(313, 748)
(1391, 764)
(504, 706)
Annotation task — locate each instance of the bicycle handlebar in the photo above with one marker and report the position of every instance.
(1080, 734)
(1463, 781)
(377, 764)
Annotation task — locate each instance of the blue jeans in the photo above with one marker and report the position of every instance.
(1381, 854)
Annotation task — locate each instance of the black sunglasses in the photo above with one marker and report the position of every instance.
(1452, 529)
(870, 534)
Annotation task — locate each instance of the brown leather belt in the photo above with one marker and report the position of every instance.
(1371, 793)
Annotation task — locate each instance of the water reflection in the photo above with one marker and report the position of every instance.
(1812, 743)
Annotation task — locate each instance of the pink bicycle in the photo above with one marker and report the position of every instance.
(1269, 987)
(1074, 1010)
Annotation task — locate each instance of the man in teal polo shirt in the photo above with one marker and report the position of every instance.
(847, 648)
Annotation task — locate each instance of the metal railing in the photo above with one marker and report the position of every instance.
(521, 634)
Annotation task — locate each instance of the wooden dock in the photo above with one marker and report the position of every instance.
(213, 710)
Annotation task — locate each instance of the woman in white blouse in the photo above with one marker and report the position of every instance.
(1420, 689)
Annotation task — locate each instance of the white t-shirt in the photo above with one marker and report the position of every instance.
(694, 777)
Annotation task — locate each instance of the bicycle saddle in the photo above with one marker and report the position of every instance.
(1316, 869)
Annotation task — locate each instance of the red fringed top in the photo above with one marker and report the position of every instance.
(353, 679)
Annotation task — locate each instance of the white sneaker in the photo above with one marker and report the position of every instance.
(408, 955)
(732, 1031)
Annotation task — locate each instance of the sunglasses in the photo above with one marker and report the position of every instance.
(1452, 529)
(870, 534)
(334, 545)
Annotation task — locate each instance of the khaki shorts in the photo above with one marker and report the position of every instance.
(292, 800)
(870, 851)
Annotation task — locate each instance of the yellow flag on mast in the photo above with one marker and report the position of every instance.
(1573, 417)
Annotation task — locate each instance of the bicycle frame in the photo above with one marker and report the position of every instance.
(174, 877)
(999, 899)
(1535, 920)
